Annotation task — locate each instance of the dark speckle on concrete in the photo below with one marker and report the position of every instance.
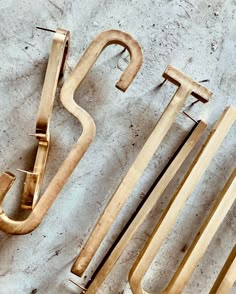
(184, 248)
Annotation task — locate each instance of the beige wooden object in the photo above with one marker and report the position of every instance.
(186, 87)
(67, 97)
(227, 275)
(203, 238)
(34, 179)
(177, 202)
(147, 206)
(56, 66)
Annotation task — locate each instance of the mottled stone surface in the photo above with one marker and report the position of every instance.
(198, 37)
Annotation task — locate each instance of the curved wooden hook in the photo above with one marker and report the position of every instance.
(89, 129)
(91, 55)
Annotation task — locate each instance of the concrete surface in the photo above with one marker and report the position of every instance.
(198, 37)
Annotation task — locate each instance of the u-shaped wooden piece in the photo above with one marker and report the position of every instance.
(177, 202)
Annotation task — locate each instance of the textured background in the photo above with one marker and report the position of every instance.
(198, 37)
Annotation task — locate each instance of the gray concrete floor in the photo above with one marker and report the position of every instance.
(198, 37)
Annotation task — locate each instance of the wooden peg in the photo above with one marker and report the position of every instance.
(177, 202)
(156, 193)
(186, 87)
(227, 275)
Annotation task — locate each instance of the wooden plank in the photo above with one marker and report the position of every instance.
(177, 202)
(203, 238)
(186, 87)
(147, 206)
